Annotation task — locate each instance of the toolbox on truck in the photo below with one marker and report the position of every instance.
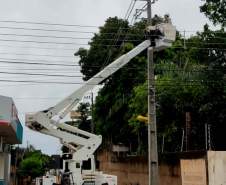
(11, 129)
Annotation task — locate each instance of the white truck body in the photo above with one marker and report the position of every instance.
(46, 180)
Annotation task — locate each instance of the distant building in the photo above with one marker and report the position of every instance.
(91, 95)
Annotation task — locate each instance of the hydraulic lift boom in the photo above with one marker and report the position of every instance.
(83, 144)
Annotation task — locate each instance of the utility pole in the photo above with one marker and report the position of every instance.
(152, 130)
(153, 177)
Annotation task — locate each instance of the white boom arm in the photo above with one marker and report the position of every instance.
(99, 77)
(82, 143)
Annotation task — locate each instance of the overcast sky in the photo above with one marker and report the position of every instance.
(30, 97)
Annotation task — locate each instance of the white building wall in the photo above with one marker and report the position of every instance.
(7, 168)
(6, 108)
(2, 166)
(5, 160)
(217, 167)
(193, 172)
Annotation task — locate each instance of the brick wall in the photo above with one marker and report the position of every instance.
(134, 170)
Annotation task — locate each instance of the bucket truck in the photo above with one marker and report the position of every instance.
(83, 144)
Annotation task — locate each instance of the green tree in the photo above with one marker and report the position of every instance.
(34, 164)
(187, 78)
(138, 106)
(215, 10)
(110, 111)
(94, 59)
(84, 122)
(213, 108)
(176, 93)
(193, 80)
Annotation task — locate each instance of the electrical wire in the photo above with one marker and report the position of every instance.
(38, 63)
(72, 49)
(87, 44)
(175, 82)
(59, 62)
(117, 36)
(82, 38)
(140, 11)
(79, 25)
(39, 48)
(48, 24)
(46, 30)
(42, 74)
(133, 2)
(44, 42)
(49, 70)
(38, 55)
(33, 62)
(127, 12)
(61, 37)
(80, 76)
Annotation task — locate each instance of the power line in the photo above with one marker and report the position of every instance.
(62, 43)
(80, 76)
(58, 24)
(119, 31)
(59, 82)
(50, 64)
(133, 2)
(206, 69)
(199, 31)
(42, 74)
(39, 55)
(37, 63)
(130, 6)
(77, 38)
(47, 23)
(57, 37)
(84, 26)
(43, 62)
(80, 38)
(42, 42)
(42, 48)
(139, 11)
(43, 36)
(209, 43)
(50, 70)
(47, 30)
(61, 62)
(203, 70)
(200, 48)
(86, 44)
(44, 82)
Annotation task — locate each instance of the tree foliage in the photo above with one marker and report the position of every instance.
(34, 164)
(215, 10)
(111, 105)
(94, 59)
(84, 122)
(190, 78)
